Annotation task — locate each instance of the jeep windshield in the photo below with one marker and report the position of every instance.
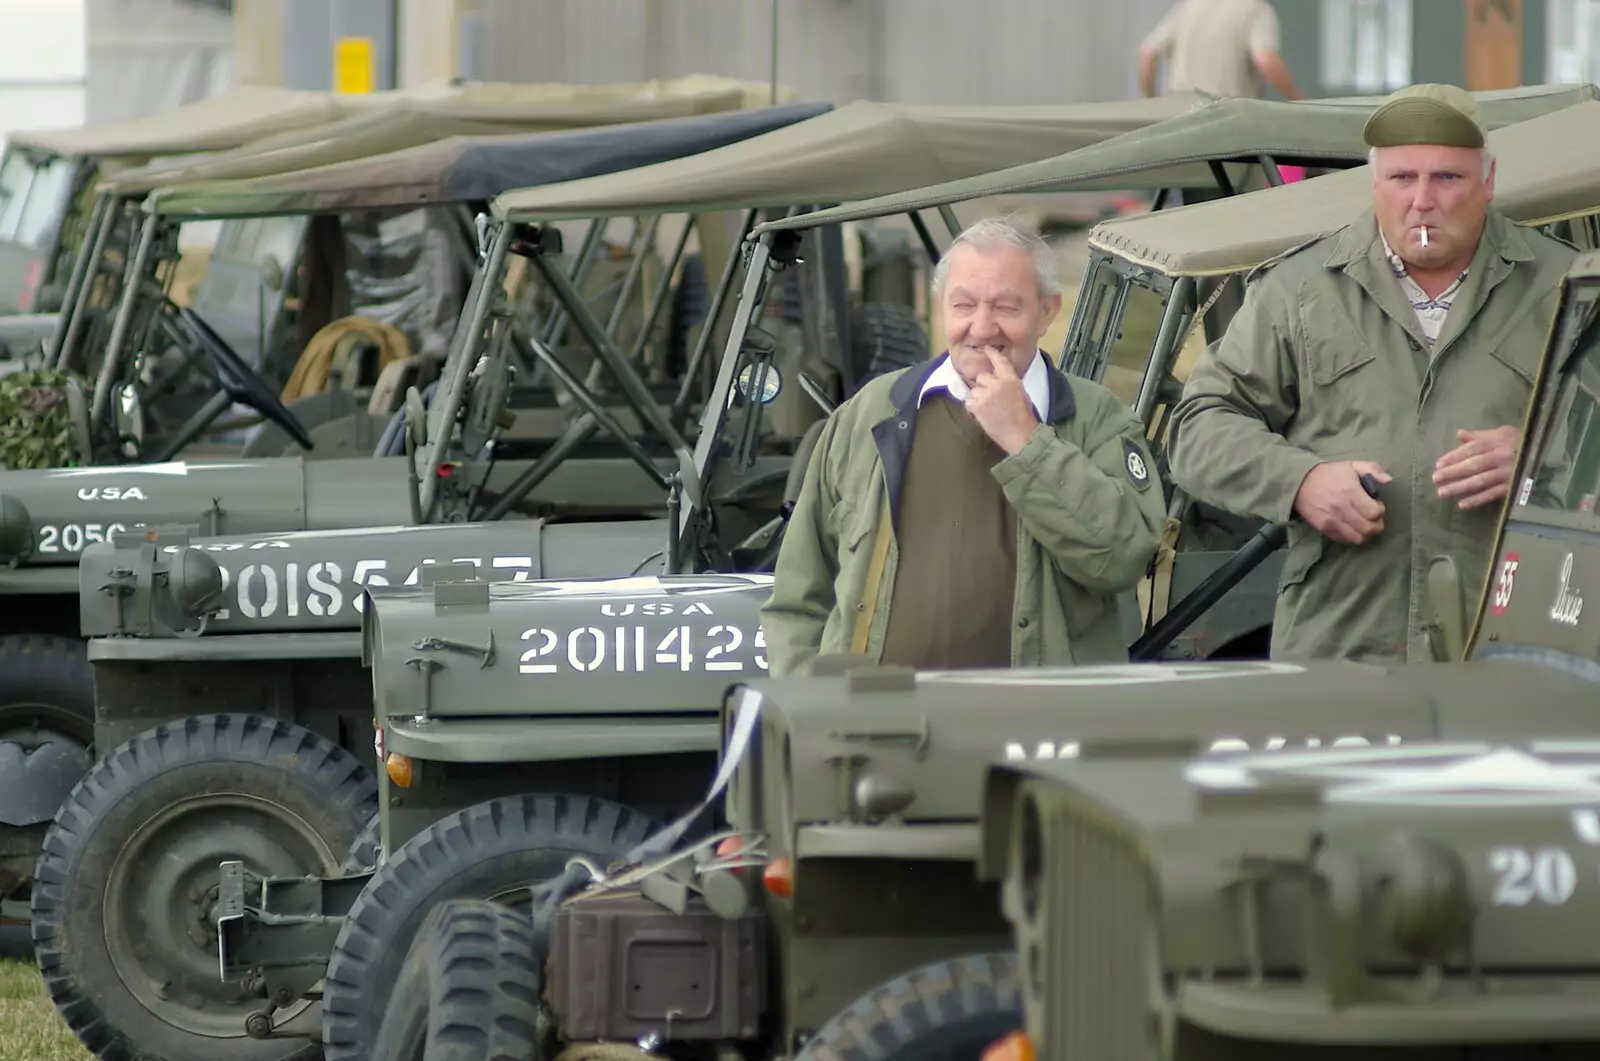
(1563, 477)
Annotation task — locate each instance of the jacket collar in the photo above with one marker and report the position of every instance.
(1500, 240)
(908, 388)
(1359, 253)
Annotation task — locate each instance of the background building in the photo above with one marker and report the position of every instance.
(68, 61)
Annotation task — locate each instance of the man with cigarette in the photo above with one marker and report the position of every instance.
(1401, 346)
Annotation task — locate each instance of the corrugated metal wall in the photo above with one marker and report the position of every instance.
(908, 51)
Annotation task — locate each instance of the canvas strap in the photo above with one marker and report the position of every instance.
(868, 605)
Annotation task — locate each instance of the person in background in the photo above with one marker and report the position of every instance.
(979, 509)
(1224, 47)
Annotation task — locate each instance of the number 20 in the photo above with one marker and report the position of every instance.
(1547, 875)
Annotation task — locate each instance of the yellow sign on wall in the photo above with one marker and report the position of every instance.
(354, 65)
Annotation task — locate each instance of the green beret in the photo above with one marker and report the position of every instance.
(1426, 114)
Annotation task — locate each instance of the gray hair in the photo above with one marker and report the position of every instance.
(995, 232)
(1488, 159)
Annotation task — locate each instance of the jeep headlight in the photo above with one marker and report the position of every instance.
(16, 529)
(195, 582)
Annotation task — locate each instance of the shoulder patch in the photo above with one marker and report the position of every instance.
(1135, 464)
(1256, 273)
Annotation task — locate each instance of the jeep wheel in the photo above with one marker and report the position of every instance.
(950, 1010)
(491, 851)
(365, 849)
(885, 337)
(469, 989)
(124, 920)
(46, 741)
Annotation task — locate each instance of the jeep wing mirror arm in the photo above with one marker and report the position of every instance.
(1447, 618)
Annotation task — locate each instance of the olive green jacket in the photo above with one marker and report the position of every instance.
(1089, 515)
(1326, 361)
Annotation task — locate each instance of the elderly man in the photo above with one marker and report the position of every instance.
(979, 510)
(1402, 346)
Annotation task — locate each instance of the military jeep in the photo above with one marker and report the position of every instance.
(1425, 901)
(48, 177)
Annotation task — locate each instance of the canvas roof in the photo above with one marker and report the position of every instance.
(1175, 153)
(470, 168)
(863, 148)
(1547, 169)
(228, 120)
(415, 117)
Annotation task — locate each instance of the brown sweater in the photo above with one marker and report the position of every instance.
(956, 577)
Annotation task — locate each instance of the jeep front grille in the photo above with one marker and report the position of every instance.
(1097, 925)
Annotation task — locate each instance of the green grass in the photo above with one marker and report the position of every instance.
(30, 1028)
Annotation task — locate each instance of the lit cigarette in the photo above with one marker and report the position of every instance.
(1424, 231)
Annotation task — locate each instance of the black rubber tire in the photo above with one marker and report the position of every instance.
(266, 766)
(485, 851)
(46, 691)
(53, 673)
(885, 337)
(951, 1010)
(468, 991)
(365, 849)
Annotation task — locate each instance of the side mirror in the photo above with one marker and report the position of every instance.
(416, 418)
(1447, 621)
(762, 375)
(272, 275)
(480, 232)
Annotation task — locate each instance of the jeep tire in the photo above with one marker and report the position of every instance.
(124, 919)
(951, 1010)
(490, 851)
(46, 742)
(468, 991)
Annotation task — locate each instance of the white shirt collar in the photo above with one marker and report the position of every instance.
(1035, 382)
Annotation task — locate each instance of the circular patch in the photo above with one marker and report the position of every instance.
(1134, 462)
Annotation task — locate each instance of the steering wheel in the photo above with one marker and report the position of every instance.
(242, 382)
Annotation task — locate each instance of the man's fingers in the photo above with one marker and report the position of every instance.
(1372, 468)
(1464, 486)
(1465, 451)
(1002, 367)
(1493, 495)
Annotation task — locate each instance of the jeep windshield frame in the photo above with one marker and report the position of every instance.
(510, 146)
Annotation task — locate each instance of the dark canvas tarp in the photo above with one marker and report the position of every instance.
(1175, 153)
(405, 119)
(462, 168)
(1547, 169)
(861, 149)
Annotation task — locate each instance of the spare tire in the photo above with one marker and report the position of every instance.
(491, 851)
(885, 337)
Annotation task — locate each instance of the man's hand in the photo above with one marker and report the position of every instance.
(1332, 500)
(1001, 406)
(1478, 471)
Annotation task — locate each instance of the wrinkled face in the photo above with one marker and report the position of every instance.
(1441, 188)
(991, 301)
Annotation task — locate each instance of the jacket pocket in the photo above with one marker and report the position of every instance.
(1333, 357)
(1519, 358)
(1304, 552)
(852, 523)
